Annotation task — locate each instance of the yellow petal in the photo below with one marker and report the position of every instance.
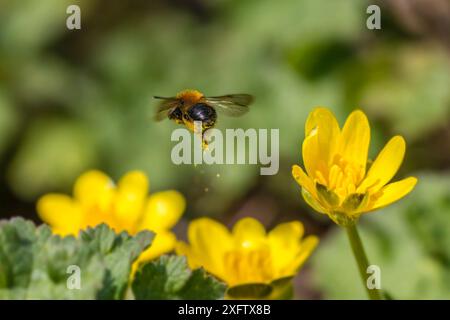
(321, 140)
(306, 248)
(130, 197)
(136, 181)
(303, 180)
(164, 242)
(94, 189)
(286, 234)
(248, 233)
(183, 249)
(60, 212)
(284, 242)
(209, 241)
(163, 210)
(385, 165)
(394, 191)
(327, 131)
(310, 152)
(355, 139)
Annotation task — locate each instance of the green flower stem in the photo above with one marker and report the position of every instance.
(361, 260)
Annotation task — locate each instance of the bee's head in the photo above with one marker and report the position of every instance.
(189, 96)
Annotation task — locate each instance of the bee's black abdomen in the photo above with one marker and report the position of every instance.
(203, 112)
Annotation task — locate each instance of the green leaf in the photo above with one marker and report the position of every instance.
(16, 253)
(34, 264)
(201, 286)
(170, 278)
(120, 251)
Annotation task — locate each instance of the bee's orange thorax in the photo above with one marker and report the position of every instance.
(189, 96)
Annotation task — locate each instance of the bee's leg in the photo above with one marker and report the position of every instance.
(206, 138)
(205, 145)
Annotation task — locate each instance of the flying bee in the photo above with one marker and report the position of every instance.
(191, 105)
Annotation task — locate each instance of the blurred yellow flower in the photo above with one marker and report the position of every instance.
(124, 207)
(336, 181)
(247, 255)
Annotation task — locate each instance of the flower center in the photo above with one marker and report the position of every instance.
(248, 266)
(342, 178)
(337, 187)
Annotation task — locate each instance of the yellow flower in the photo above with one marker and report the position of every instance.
(247, 255)
(337, 181)
(124, 207)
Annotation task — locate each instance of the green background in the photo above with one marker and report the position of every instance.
(72, 100)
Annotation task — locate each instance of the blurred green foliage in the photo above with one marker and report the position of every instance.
(52, 150)
(75, 100)
(169, 278)
(409, 241)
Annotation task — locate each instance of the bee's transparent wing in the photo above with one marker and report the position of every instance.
(233, 105)
(165, 107)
